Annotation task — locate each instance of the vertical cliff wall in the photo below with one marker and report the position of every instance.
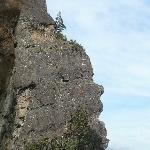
(45, 80)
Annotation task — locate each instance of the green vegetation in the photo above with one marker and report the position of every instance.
(41, 145)
(78, 136)
(61, 36)
(59, 23)
(60, 27)
(75, 45)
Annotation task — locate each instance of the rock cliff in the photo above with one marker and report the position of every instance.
(46, 86)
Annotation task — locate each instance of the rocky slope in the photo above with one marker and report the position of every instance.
(45, 81)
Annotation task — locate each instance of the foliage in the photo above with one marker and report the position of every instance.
(78, 136)
(78, 133)
(75, 45)
(41, 145)
(61, 36)
(59, 26)
(59, 23)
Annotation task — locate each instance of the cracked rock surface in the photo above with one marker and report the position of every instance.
(43, 79)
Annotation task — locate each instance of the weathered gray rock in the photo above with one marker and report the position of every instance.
(44, 79)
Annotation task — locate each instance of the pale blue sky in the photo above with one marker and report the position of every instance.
(116, 35)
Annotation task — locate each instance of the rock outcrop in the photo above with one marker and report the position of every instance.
(44, 80)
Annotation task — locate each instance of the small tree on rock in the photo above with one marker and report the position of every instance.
(59, 23)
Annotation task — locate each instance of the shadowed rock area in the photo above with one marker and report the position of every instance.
(45, 81)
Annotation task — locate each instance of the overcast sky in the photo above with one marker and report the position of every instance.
(116, 35)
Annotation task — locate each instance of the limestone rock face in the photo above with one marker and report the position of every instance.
(44, 79)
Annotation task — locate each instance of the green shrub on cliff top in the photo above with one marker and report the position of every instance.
(75, 45)
(59, 23)
(59, 26)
